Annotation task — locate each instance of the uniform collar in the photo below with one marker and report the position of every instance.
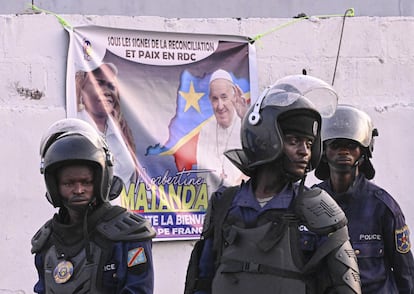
(350, 193)
(281, 201)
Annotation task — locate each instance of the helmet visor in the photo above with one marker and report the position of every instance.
(64, 126)
(320, 93)
(67, 127)
(348, 123)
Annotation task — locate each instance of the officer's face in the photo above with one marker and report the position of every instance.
(75, 184)
(342, 154)
(298, 151)
(222, 98)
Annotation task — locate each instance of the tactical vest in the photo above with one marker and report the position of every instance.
(268, 257)
(61, 277)
(68, 269)
(264, 259)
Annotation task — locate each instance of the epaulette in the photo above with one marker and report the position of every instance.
(127, 227)
(388, 200)
(41, 236)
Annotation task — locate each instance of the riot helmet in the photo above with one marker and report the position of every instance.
(349, 122)
(320, 93)
(63, 126)
(73, 141)
(291, 104)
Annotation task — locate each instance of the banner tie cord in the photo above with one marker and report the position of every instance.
(62, 21)
(349, 12)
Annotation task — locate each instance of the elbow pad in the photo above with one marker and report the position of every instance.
(344, 270)
(320, 211)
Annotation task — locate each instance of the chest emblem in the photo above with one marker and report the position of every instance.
(62, 272)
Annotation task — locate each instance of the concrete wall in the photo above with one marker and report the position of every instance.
(375, 72)
(214, 8)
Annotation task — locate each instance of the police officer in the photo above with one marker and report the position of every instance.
(271, 234)
(377, 226)
(89, 246)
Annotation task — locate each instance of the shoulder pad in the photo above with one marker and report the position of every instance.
(207, 219)
(41, 236)
(320, 211)
(210, 212)
(127, 227)
(217, 209)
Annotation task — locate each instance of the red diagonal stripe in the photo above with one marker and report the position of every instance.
(135, 256)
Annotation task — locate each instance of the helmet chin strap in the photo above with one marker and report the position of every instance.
(89, 254)
(86, 209)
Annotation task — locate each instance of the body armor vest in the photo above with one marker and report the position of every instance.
(264, 259)
(67, 267)
(62, 277)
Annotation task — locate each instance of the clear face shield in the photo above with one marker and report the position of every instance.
(60, 127)
(67, 127)
(321, 95)
(262, 143)
(348, 123)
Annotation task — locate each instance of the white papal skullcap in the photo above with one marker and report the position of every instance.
(220, 74)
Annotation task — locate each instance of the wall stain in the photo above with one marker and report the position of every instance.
(386, 108)
(34, 94)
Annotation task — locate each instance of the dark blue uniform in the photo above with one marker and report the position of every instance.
(245, 211)
(121, 266)
(379, 236)
(135, 280)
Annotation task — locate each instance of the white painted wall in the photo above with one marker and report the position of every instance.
(375, 72)
(215, 8)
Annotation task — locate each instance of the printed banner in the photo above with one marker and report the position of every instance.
(169, 105)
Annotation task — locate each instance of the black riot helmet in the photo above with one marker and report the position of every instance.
(73, 141)
(294, 103)
(349, 122)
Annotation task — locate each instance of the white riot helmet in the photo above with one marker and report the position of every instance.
(349, 122)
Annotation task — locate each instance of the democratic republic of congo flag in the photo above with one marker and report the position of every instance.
(193, 110)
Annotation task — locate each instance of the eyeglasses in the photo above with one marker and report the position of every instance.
(342, 143)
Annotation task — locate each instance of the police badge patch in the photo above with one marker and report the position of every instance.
(136, 256)
(402, 240)
(63, 271)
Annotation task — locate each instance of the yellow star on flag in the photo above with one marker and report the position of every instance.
(191, 97)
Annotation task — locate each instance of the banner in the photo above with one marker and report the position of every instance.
(169, 105)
